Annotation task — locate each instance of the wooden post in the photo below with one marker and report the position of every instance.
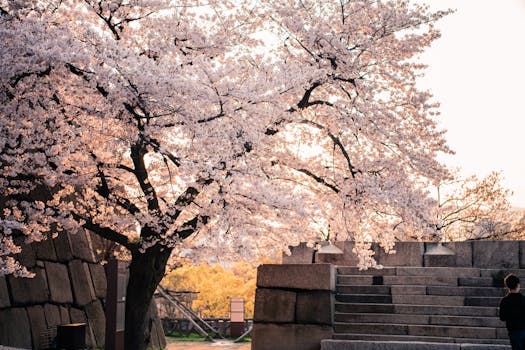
(117, 280)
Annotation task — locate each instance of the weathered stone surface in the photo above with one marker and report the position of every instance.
(83, 289)
(98, 276)
(273, 305)
(463, 253)
(407, 254)
(59, 285)
(314, 307)
(45, 249)
(64, 315)
(52, 313)
(14, 328)
(63, 247)
(439, 260)
(81, 246)
(289, 337)
(97, 320)
(77, 315)
(27, 256)
(489, 254)
(38, 323)
(297, 276)
(300, 254)
(29, 290)
(4, 293)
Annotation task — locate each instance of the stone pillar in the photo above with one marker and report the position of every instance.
(294, 306)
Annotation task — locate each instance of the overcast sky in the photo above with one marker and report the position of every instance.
(477, 73)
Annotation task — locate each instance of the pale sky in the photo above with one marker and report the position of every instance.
(477, 73)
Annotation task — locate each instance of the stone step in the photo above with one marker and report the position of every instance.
(466, 291)
(479, 282)
(429, 300)
(362, 280)
(501, 273)
(353, 270)
(420, 280)
(417, 309)
(340, 344)
(439, 271)
(470, 321)
(364, 298)
(380, 318)
(363, 289)
(482, 301)
(408, 290)
(358, 280)
(417, 330)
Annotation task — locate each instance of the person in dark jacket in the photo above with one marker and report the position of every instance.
(512, 311)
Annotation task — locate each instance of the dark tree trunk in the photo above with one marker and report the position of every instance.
(145, 273)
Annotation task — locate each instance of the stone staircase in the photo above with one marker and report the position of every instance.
(419, 305)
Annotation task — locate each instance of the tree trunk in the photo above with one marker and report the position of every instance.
(145, 273)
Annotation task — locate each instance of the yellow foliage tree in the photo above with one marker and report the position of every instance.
(215, 286)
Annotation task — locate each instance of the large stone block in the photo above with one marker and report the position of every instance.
(77, 315)
(463, 252)
(83, 290)
(98, 276)
(97, 320)
(52, 313)
(297, 276)
(58, 281)
(501, 254)
(407, 254)
(314, 307)
(64, 315)
(45, 250)
(300, 254)
(26, 291)
(63, 247)
(27, 255)
(4, 293)
(14, 328)
(274, 305)
(81, 246)
(38, 323)
(289, 336)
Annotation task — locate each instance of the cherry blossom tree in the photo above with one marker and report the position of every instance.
(225, 129)
(470, 208)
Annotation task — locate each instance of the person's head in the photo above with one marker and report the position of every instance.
(512, 282)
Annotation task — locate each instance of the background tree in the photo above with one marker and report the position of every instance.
(473, 208)
(216, 285)
(209, 130)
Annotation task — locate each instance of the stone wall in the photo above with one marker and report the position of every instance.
(293, 306)
(69, 287)
(482, 254)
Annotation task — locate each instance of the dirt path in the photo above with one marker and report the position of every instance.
(217, 345)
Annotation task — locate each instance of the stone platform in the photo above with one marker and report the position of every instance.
(419, 300)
